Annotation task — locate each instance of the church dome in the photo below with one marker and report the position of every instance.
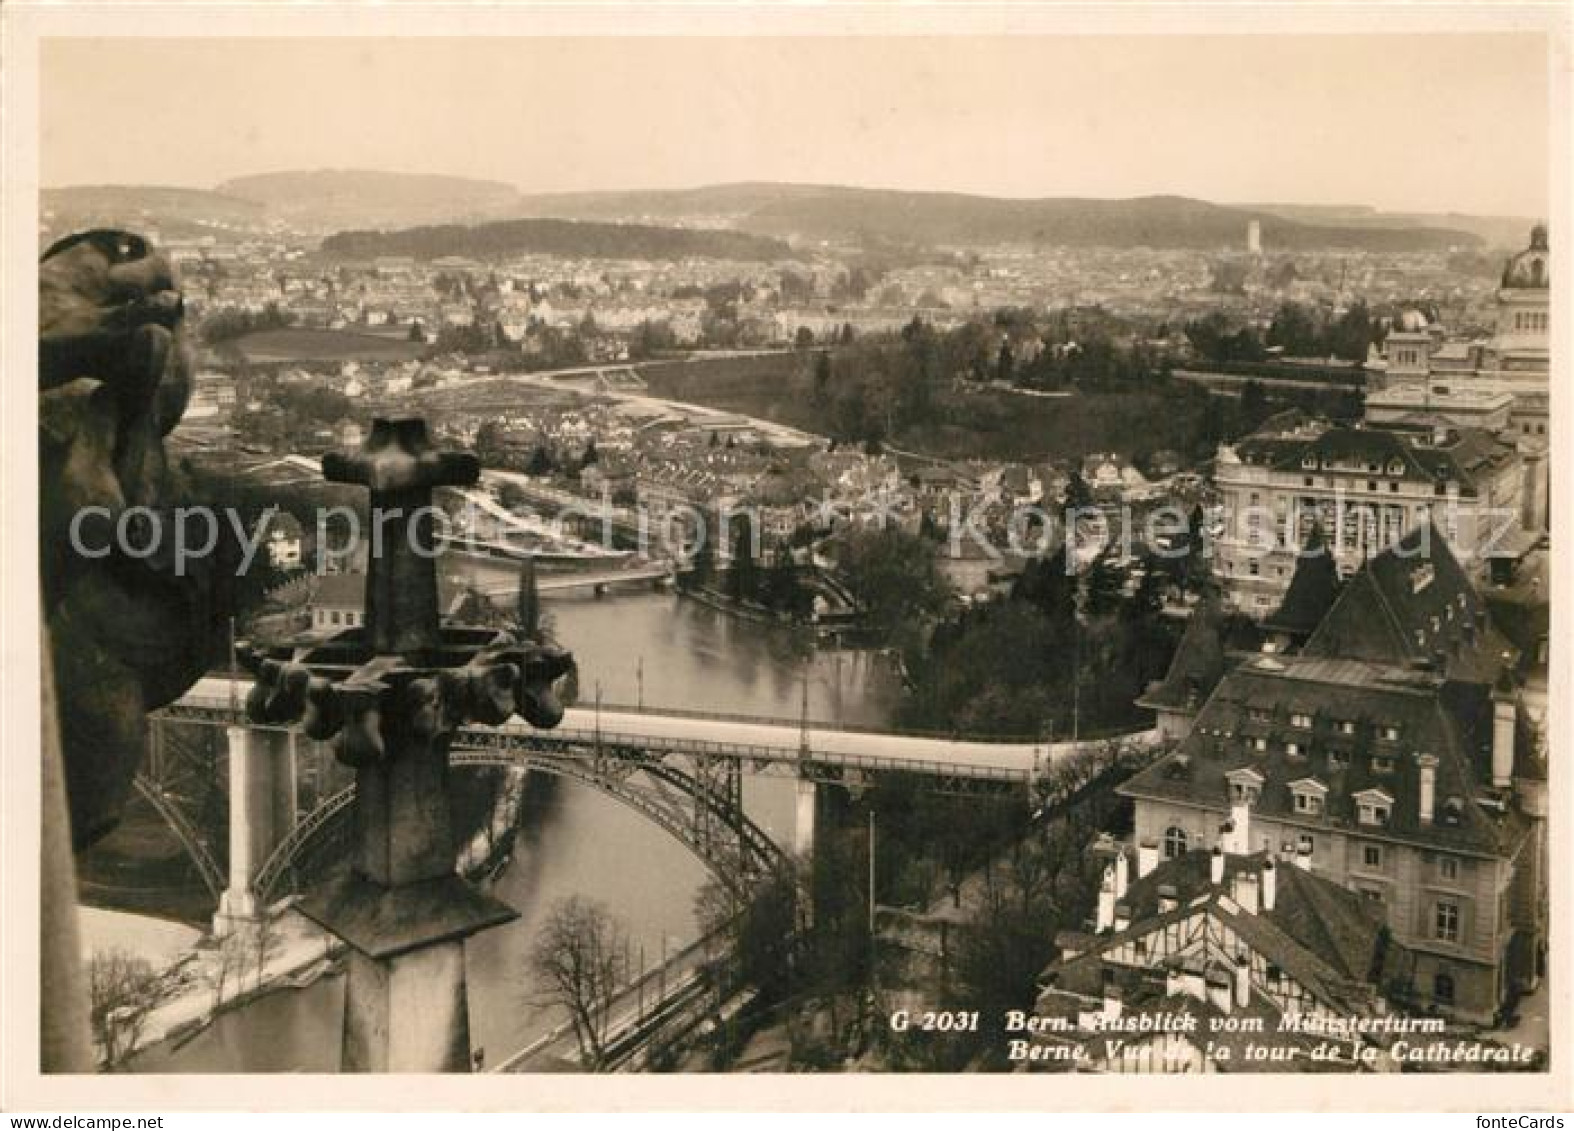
(1528, 269)
(1411, 322)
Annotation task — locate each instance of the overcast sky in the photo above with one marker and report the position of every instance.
(1425, 122)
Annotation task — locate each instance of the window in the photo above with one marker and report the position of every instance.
(1259, 744)
(1309, 803)
(1346, 726)
(1445, 921)
(1443, 987)
(1306, 844)
(1174, 842)
(1382, 764)
(1448, 867)
(1303, 721)
(1294, 749)
(1253, 567)
(1389, 734)
(1275, 975)
(1372, 856)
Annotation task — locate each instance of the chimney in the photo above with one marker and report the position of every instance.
(1243, 980)
(1270, 884)
(1427, 765)
(1246, 892)
(1147, 857)
(1122, 916)
(1502, 739)
(1241, 823)
(1168, 900)
(1216, 866)
(1106, 908)
(1111, 994)
(1122, 873)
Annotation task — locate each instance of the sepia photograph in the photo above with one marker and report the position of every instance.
(889, 545)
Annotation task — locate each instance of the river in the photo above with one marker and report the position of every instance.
(665, 651)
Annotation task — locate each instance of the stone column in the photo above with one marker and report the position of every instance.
(251, 820)
(803, 823)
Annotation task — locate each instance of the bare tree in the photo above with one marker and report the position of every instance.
(228, 958)
(122, 990)
(264, 941)
(580, 959)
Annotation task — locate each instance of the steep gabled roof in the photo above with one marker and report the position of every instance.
(1326, 938)
(1338, 714)
(1198, 663)
(1313, 589)
(1411, 605)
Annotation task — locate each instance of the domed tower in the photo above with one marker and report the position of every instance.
(1523, 320)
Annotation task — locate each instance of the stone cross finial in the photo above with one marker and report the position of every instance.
(400, 468)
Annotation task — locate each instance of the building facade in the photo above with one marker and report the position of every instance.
(1365, 487)
(1386, 755)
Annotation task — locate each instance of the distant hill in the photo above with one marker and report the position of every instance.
(1503, 232)
(814, 212)
(168, 210)
(555, 237)
(334, 199)
(359, 202)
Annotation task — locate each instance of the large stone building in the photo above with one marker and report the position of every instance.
(1388, 754)
(1365, 487)
(1498, 382)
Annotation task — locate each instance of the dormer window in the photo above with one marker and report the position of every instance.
(1373, 807)
(1245, 785)
(1301, 721)
(1309, 796)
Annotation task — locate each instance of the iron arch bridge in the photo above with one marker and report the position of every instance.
(208, 865)
(700, 806)
(681, 770)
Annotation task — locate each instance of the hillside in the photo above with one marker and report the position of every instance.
(554, 237)
(330, 199)
(838, 213)
(168, 210)
(1505, 232)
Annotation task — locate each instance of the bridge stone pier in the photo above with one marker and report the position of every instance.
(262, 797)
(808, 803)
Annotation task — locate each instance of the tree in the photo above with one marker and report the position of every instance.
(580, 960)
(822, 378)
(122, 990)
(264, 940)
(764, 933)
(540, 462)
(893, 576)
(1005, 363)
(804, 338)
(743, 574)
(1254, 404)
(527, 605)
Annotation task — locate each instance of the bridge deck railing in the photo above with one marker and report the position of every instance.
(473, 738)
(1087, 734)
